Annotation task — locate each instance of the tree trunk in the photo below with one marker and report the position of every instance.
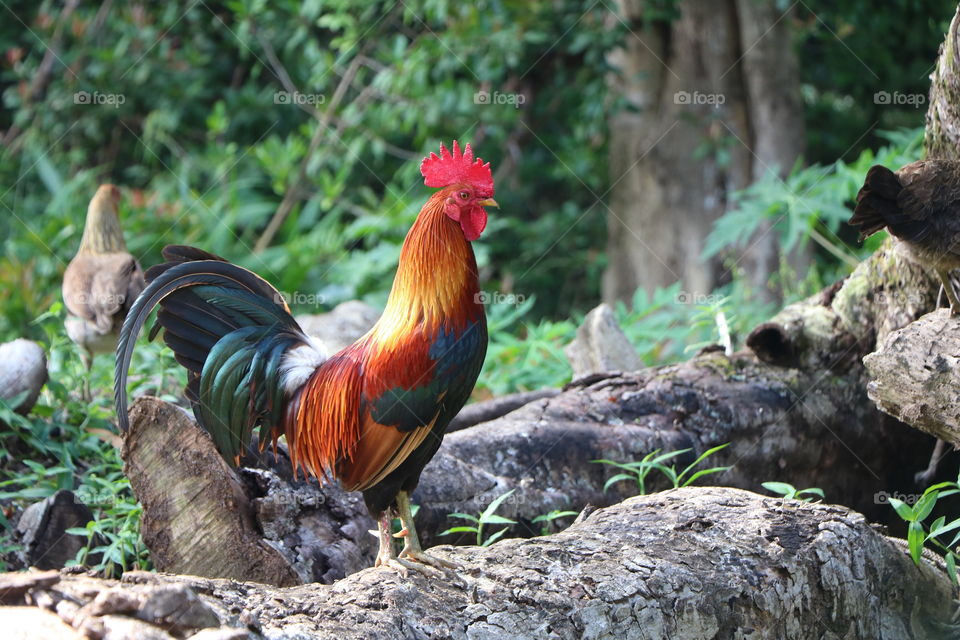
(712, 104)
(942, 135)
(685, 564)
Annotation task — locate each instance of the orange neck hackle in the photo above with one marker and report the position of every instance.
(437, 276)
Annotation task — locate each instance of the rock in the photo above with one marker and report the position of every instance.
(223, 633)
(342, 326)
(42, 530)
(601, 346)
(123, 628)
(23, 369)
(33, 623)
(176, 608)
(14, 586)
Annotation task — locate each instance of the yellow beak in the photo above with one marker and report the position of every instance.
(489, 202)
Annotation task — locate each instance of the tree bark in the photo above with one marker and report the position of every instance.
(704, 117)
(942, 134)
(915, 375)
(691, 563)
(197, 518)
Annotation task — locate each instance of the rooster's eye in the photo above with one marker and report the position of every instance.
(463, 195)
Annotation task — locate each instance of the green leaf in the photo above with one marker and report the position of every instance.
(495, 519)
(938, 528)
(915, 540)
(458, 530)
(494, 537)
(615, 479)
(493, 506)
(465, 516)
(781, 488)
(704, 472)
(903, 510)
(925, 505)
(952, 567)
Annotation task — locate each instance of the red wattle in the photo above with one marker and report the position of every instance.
(473, 221)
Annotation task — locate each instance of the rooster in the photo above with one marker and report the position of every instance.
(370, 416)
(101, 282)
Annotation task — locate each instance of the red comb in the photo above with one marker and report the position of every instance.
(457, 168)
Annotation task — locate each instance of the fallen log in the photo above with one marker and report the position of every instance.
(684, 564)
(783, 424)
(915, 375)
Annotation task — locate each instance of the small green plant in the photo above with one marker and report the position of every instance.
(487, 517)
(656, 461)
(789, 492)
(547, 518)
(113, 536)
(918, 534)
(69, 443)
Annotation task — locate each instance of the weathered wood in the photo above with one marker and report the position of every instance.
(691, 563)
(197, 518)
(804, 427)
(942, 131)
(915, 375)
(494, 408)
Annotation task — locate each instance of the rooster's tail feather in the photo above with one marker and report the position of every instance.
(230, 329)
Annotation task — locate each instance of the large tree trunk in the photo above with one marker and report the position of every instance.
(721, 79)
(686, 564)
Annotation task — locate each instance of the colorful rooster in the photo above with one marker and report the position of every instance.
(370, 416)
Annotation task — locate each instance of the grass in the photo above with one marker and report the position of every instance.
(67, 443)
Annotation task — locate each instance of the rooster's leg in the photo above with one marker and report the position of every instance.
(87, 358)
(387, 553)
(411, 545)
(948, 289)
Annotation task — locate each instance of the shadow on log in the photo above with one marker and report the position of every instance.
(691, 563)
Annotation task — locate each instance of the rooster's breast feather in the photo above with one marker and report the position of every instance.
(411, 388)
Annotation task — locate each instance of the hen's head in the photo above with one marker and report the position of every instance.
(467, 186)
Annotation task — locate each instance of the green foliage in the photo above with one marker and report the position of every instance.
(487, 517)
(665, 327)
(811, 203)
(546, 518)
(920, 534)
(67, 443)
(790, 492)
(851, 50)
(655, 461)
(192, 106)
